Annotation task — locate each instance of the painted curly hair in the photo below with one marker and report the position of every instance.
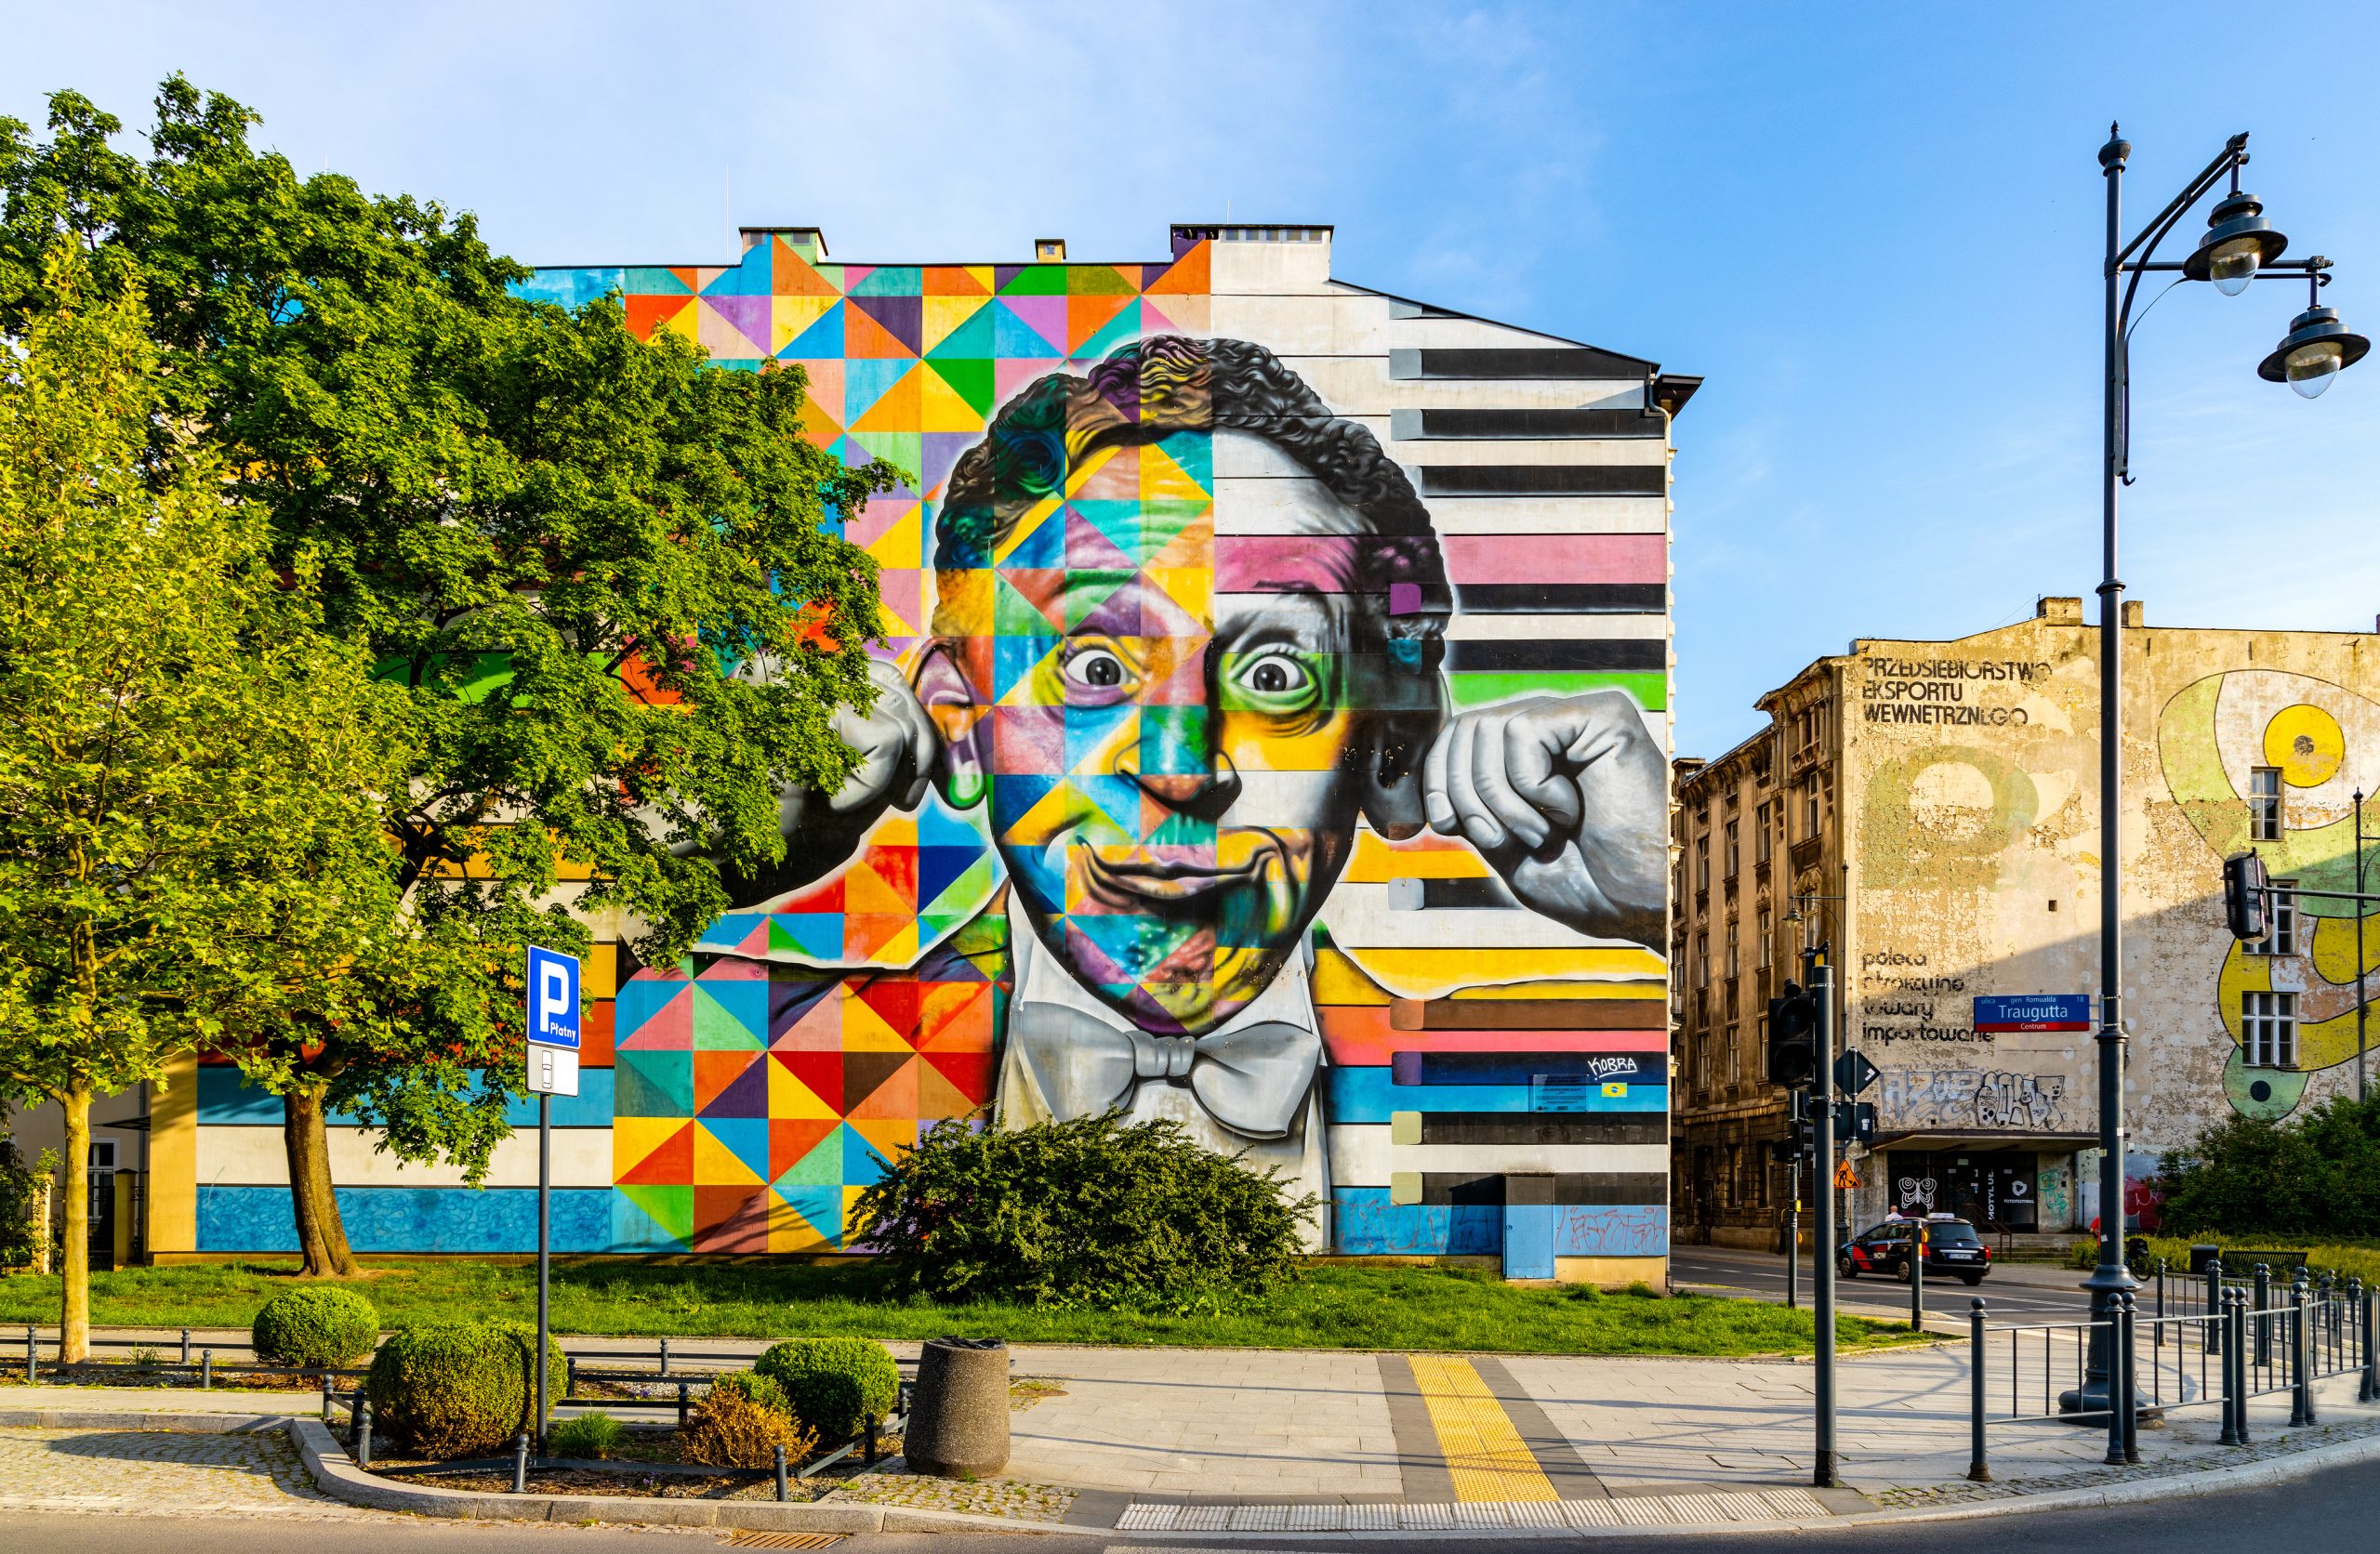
(1168, 383)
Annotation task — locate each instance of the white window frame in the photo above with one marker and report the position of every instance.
(1733, 846)
(2266, 814)
(1767, 936)
(1762, 843)
(2269, 1029)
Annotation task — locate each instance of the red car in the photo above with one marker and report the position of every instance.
(1953, 1250)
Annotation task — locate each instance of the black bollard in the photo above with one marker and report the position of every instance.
(32, 1356)
(205, 1370)
(783, 1493)
(364, 1436)
(521, 1463)
(185, 1346)
(664, 1357)
(681, 1405)
(1978, 1464)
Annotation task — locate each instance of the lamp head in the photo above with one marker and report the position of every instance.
(2317, 349)
(2239, 242)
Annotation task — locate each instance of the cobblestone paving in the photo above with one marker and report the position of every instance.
(149, 1470)
(1012, 1499)
(2266, 1446)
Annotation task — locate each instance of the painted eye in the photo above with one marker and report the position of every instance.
(1096, 668)
(1276, 676)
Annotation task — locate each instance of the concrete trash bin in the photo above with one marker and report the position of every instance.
(958, 1416)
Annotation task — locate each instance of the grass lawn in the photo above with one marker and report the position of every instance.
(1333, 1306)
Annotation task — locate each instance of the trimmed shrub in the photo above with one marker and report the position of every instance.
(315, 1324)
(594, 1436)
(464, 1389)
(833, 1382)
(755, 1388)
(731, 1431)
(1094, 1211)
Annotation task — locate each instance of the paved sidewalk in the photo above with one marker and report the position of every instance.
(1207, 1440)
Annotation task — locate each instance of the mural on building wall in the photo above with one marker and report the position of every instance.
(1190, 792)
(2316, 741)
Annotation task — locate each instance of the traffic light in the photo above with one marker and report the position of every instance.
(1800, 1142)
(1793, 1037)
(2243, 895)
(1854, 1122)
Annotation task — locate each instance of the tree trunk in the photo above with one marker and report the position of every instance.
(74, 1256)
(321, 1235)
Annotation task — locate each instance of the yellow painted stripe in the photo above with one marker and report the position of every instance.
(1484, 1452)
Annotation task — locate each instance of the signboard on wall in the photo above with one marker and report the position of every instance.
(2001, 1014)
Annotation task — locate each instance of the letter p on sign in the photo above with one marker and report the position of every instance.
(553, 1022)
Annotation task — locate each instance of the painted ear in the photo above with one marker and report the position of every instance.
(949, 695)
(1392, 794)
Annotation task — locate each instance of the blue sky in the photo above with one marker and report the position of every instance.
(1875, 230)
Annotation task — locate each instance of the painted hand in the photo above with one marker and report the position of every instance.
(1567, 798)
(895, 742)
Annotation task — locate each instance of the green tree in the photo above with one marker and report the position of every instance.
(606, 575)
(2316, 1174)
(189, 769)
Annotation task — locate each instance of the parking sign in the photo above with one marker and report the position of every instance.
(553, 1022)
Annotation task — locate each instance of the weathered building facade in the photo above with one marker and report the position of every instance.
(1964, 846)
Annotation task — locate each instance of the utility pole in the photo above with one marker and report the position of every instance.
(1823, 1472)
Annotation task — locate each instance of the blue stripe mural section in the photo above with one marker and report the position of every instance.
(410, 1219)
(225, 1099)
(1368, 1095)
(1366, 1223)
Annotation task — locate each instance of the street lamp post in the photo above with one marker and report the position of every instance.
(2361, 997)
(2239, 246)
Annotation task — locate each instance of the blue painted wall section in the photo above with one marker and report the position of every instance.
(410, 1219)
(1367, 1223)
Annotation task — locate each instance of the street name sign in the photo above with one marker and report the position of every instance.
(1999, 1014)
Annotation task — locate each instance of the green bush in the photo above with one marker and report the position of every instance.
(594, 1436)
(761, 1390)
(315, 1324)
(2313, 1175)
(453, 1389)
(831, 1383)
(1092, 1212)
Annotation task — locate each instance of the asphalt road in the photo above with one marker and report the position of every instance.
(2327, 1511)
(2012, 1291)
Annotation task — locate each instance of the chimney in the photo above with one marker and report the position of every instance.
(2133, 617)
(1050, 250)
(2059, 610)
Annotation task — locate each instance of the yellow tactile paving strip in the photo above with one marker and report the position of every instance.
(1484, 1452)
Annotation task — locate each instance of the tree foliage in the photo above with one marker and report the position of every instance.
(2314, 1175)
(191, 770)
(1092, 1211)
(604, 578)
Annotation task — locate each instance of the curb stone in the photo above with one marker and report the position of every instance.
(336, 1476)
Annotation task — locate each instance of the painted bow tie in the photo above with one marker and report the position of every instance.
(1252, 1080)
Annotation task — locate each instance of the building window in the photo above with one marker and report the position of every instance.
(1703, 960)
(1767, 937)
(1733, 969)
(1702, 862)
(1810, 811)
(1732, 850)
(1760, 840)
(2264, 804)
(2280, 922)
(1734, 1057)
(2269, 1029)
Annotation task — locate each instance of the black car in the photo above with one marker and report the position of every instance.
(1953, 1250)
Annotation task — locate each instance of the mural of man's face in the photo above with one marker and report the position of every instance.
(1174, 716)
